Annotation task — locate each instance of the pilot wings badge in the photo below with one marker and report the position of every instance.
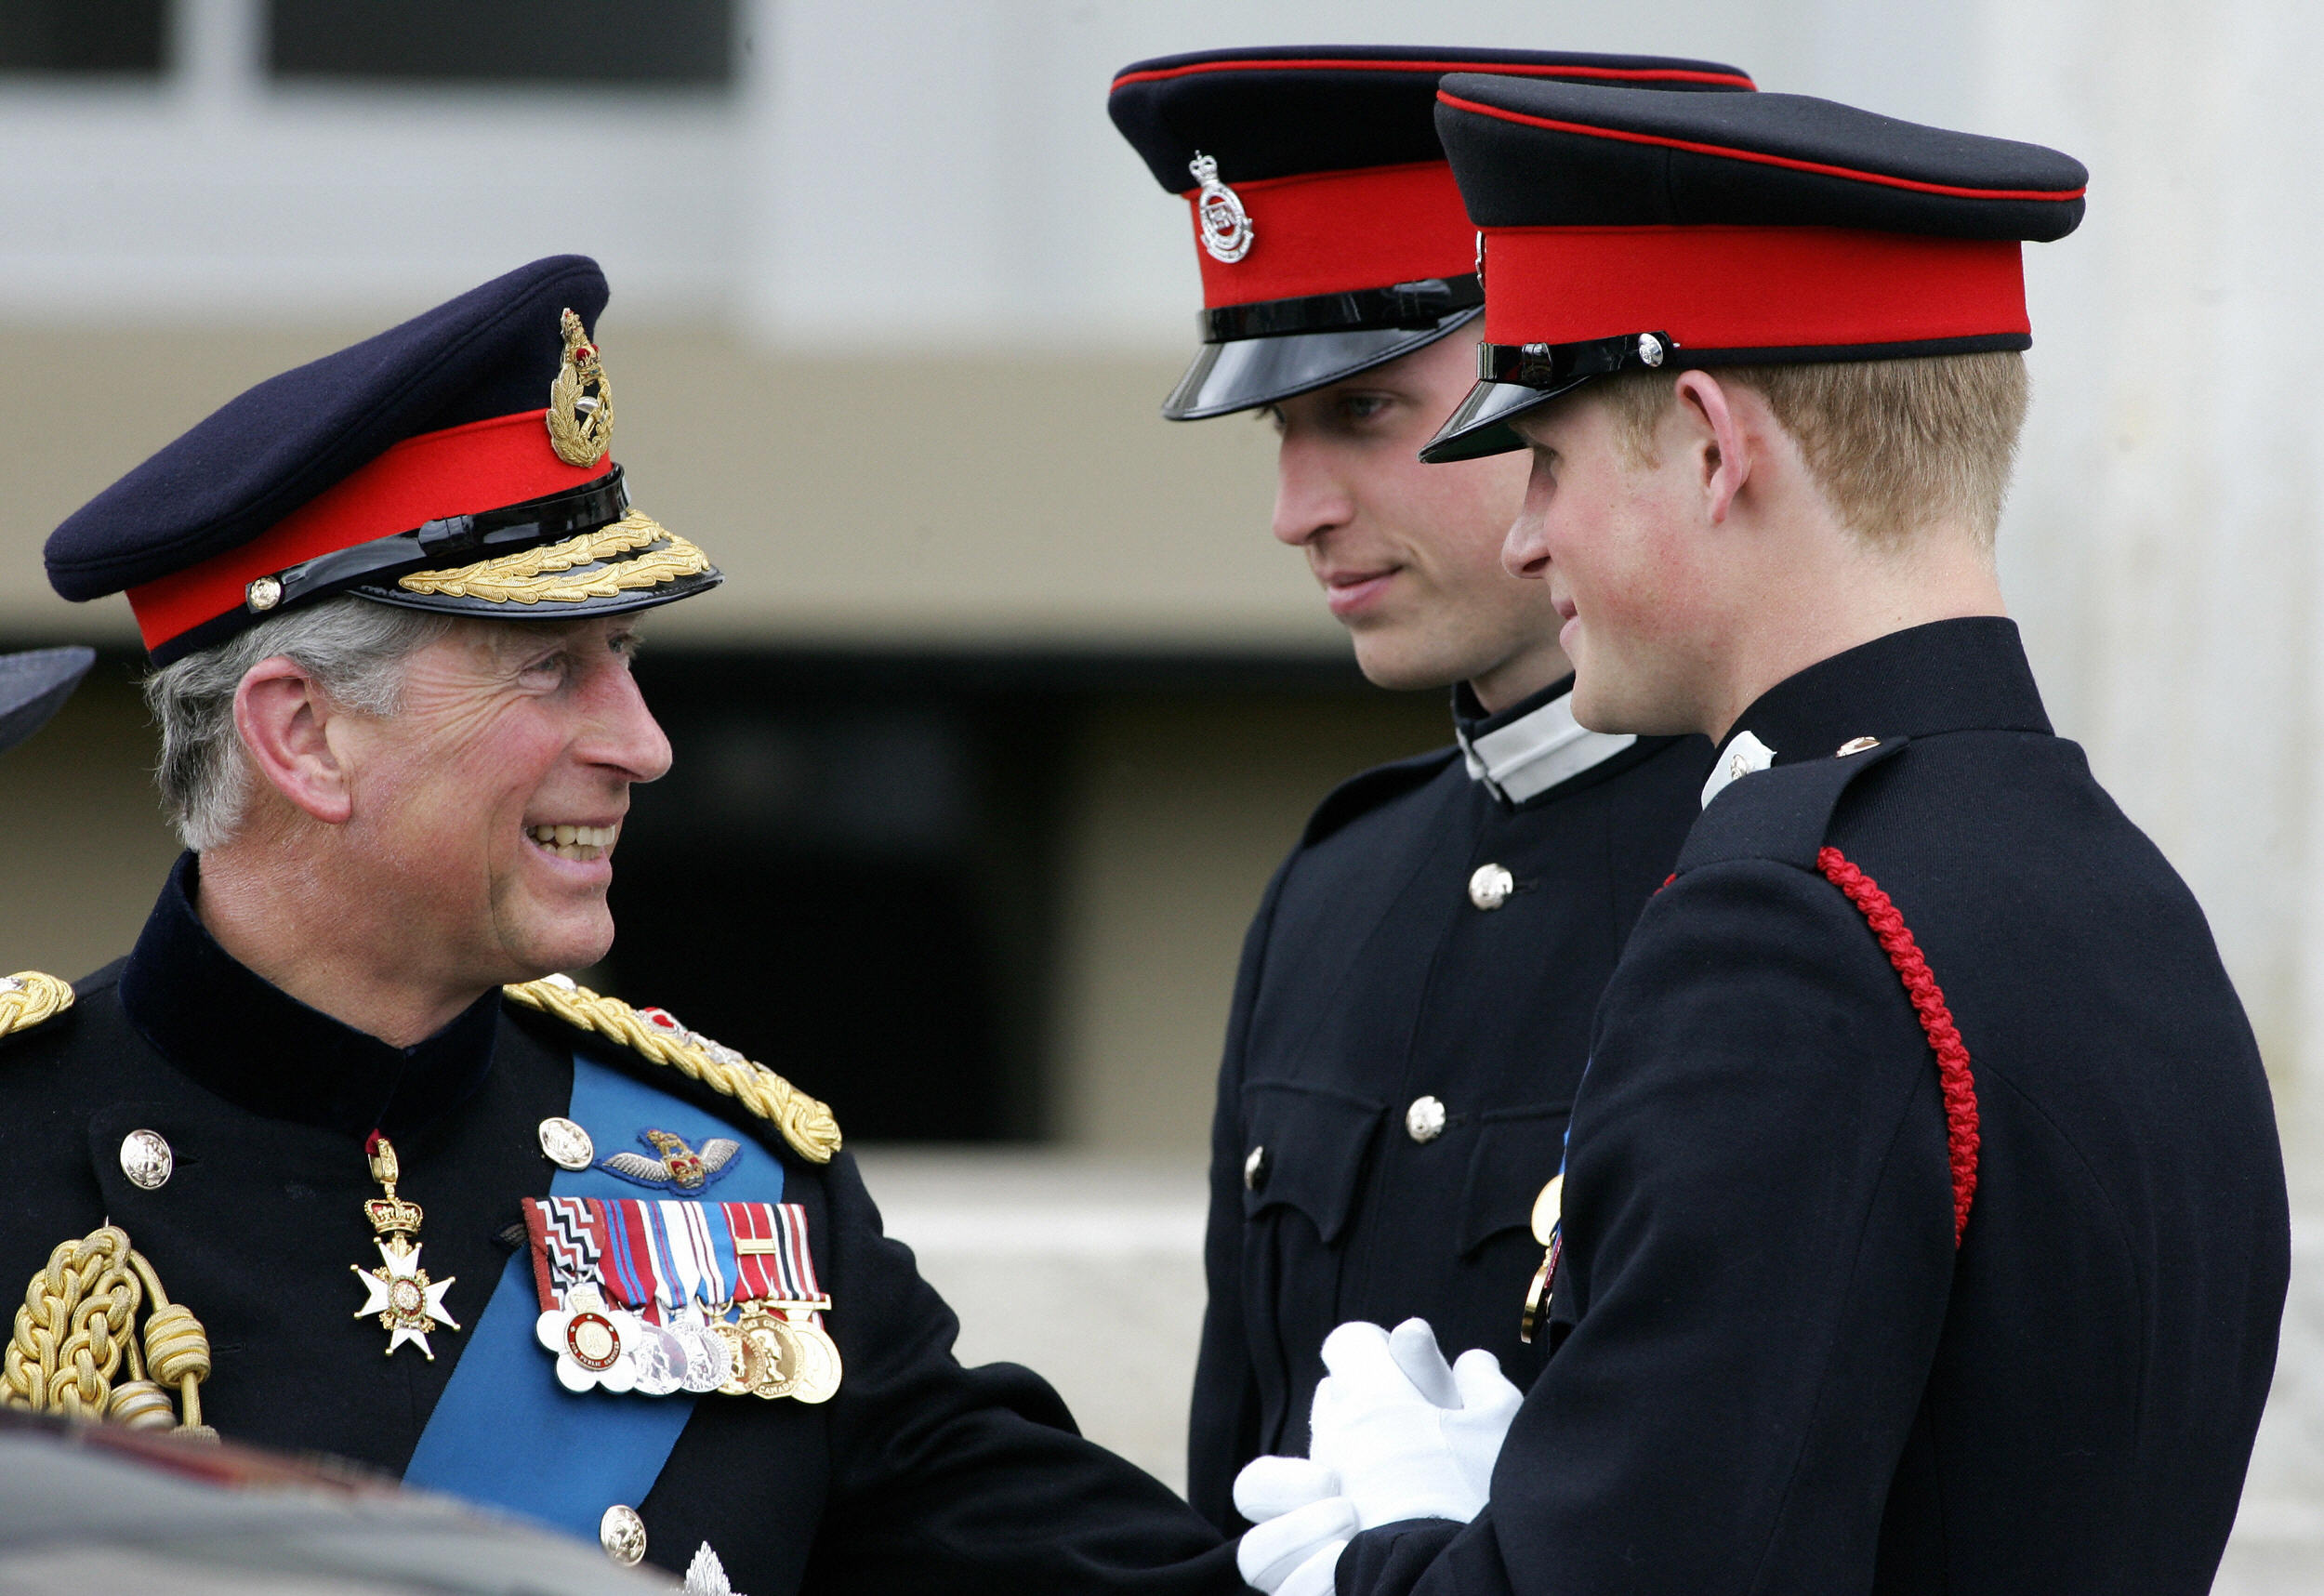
(676, 1164)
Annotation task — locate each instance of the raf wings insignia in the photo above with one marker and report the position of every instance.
(678, 1165)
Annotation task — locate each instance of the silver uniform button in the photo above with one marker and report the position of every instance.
(147, 1160)
(1490, 885)
(1857, 745)
(1424, 1121)
(565, 1145)
(1255, 1168)
(622, 1533)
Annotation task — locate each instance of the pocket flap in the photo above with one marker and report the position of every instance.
(1310, 1143)
(1518, 1151)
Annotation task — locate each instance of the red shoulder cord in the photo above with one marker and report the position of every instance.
(1928, 1004)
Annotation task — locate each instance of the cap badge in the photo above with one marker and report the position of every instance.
(1226, 229)
(580, 401)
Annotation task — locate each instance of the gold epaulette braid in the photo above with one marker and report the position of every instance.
(28, 997)
(78, 1327)
(806, 1123)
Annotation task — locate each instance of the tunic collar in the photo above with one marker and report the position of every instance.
(1964, 674)
(1532, 745)
(255, 1045)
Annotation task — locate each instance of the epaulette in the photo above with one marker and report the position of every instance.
(1368, 789)
(805, 1123)
(28, 997)
(1781, 812)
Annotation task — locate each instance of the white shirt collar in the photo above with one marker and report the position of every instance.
(1535, 752)
(1740, 758)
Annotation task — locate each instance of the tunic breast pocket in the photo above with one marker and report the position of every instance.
(1304, 1149)
(1518, 1151)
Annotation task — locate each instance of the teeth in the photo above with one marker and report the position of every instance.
(574, 841)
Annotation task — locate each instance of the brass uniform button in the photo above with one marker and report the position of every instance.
(1424, 1121)
(147, 1160)
(565, 1145)
(1255, 1167)
(1490, 885)
(622, 1533)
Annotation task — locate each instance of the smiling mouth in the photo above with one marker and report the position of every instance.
(581, 842)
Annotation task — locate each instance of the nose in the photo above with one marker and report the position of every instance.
(627, 740)
(1525, 549)
(1309, 497)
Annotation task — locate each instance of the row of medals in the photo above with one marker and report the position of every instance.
(768, 1353)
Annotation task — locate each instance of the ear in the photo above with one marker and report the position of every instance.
(1721, 455)
(283, 720)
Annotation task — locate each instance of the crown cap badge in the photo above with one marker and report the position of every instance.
(1224, 225)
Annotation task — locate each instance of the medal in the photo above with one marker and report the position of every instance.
(399, 1291)
(635, 1295)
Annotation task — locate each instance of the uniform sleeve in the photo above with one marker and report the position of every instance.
(974, 1480)
(1759, 1230)
(1222, 1428)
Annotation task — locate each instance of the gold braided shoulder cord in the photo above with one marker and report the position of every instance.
(77, 1329)
(536, 573)
(805, 1123)
(28, 997)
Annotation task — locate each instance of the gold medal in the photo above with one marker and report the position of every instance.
(818, 1361)
(399, 1291)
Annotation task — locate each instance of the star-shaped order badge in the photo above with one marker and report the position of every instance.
(406, 1303)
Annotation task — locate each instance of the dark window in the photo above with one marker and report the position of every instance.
(676, 42)
(83, 35)
(845, 874)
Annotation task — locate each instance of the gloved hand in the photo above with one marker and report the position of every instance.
(1292, 1549)
(1407, 1436)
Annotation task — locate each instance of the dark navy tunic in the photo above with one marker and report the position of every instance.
(919, 1475)
(1774, 1370)
(1371, 979)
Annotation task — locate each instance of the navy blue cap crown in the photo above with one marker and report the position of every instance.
(1277, 112)
(387, 469)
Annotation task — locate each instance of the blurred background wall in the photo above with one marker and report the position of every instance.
(1009, 702)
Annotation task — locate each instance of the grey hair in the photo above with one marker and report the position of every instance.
(353, 648)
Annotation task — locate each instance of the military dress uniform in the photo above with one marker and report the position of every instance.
(564, 1256)
(1923, 1225)
(1414, 998)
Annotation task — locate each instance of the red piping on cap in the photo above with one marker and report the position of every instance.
(1953, 1078)
(1330, 232)
(1749, 287)
(1760, 158)
(1498, 69)
(483, 465)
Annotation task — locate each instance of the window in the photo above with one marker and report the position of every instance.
(675, 43)
(82, 36)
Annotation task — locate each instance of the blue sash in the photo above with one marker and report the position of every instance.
(505, 1431)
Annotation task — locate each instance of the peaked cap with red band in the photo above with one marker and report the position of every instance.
(459, 462)
(1327, 226)
(1631, 231)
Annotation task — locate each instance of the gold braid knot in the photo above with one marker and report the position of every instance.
(805, 1123)
(77, 1328)
(28, 997)
(533, 575)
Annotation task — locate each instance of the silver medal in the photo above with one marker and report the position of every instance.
(661, 1359)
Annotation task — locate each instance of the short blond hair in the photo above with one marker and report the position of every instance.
(1893, 444)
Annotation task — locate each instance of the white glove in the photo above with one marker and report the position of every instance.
(1407, 1436)
(1294, 1554)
